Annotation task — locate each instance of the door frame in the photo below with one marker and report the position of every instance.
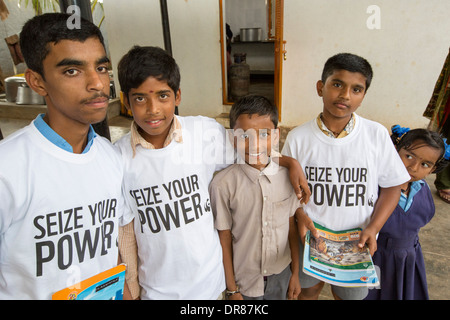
(279, 52)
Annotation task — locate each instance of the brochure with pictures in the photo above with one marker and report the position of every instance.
(107, 285)
(335, 258)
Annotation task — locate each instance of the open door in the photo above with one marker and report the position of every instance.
(273, 38)
(280, 53)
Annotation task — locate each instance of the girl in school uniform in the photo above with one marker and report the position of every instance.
(399, 254)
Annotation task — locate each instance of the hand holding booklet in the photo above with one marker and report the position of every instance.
(335, 257)
(107, 285)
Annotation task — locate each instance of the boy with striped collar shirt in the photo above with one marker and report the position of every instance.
(353, 170)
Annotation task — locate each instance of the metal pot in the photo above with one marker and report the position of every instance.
(11, 85)
(26, 95)
(251, 34)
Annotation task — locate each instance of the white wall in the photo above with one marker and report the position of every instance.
(194, 28)
(407, 54)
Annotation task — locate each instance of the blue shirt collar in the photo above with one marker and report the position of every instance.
(56, 139)
(405, 203)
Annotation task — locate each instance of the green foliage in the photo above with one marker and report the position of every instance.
(39, 5)
(53, 5)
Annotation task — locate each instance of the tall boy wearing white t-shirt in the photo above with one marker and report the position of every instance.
(60, 183)
(171, 247)
(353, 171)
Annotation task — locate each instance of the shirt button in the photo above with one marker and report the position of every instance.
(265, 198)
(265, 271)
(265, 223)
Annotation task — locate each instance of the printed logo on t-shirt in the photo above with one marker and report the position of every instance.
(170, 205)
(74, 235)
(338, 187)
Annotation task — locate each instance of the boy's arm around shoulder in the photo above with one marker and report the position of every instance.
(289, 159)
(296, 176)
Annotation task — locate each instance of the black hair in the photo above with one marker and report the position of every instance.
(142, 62)
(349, 62)
(40, 31)
(427, 137)
(253, 104)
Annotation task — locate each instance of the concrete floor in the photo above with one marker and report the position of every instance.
(433, 237)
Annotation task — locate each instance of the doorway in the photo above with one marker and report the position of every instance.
(252, 30)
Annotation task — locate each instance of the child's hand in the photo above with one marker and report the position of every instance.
(368, 236)
(294, 287)
(297, 178)
(299, 182)
(305, 223)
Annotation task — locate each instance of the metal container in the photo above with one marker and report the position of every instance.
(26, 95)
(11, 85)
(251, 34)
(239, 77)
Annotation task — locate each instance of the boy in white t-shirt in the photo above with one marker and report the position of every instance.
(353, 171)
(60, 183)
(172, 249)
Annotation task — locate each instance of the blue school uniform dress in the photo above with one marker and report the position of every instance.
(399, 254)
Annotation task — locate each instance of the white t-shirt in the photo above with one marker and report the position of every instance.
(344, 174)
(179, 251)
(59, 214)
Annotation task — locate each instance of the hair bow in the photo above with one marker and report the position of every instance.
(399, 131)
(447, 150)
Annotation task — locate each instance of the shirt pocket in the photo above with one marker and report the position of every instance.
(280, 216)
(281, 210)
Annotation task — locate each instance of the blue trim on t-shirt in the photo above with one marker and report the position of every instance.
(56, 139)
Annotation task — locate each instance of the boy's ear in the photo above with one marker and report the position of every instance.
(35, 82)
(178, 97)
(319, 87)
(125, 101)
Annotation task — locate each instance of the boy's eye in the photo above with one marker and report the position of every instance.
(71, 72)
(244, 136)
(102, 69)
(264, 134)
(139, 99)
